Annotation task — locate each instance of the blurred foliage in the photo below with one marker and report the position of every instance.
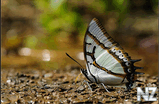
(31, 41)
(62, 16)
(66, 16)
(64, 19)
(57, 17)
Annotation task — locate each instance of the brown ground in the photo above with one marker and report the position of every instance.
(32, 86)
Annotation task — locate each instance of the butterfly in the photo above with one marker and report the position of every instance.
(106, 61)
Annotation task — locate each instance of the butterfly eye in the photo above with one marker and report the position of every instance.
(119, 51)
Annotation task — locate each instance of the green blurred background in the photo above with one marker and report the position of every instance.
(37, 33)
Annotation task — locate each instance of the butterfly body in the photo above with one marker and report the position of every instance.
(106, 61)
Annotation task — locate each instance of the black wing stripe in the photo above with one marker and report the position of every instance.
(92, 54)
(96, 41)
(97, 31)
(109, 72)
(101, 27)
(107, 48)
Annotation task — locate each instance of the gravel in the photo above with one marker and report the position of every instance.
(50, 86)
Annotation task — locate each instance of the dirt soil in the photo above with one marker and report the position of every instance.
(32, 86)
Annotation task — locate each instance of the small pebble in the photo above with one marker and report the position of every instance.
(81, 88)
(5, 101)
(48, 75)
(39, 96)
(47, 97)
(13, 98)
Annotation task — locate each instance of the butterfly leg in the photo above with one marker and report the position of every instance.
(105, 87)
(88, 84)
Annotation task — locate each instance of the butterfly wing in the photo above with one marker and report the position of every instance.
(103, 53)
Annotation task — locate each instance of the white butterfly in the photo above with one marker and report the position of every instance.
(106, 62)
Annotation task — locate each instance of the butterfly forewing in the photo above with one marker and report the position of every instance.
(102, 52)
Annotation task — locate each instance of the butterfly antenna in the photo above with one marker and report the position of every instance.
(74, 60)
